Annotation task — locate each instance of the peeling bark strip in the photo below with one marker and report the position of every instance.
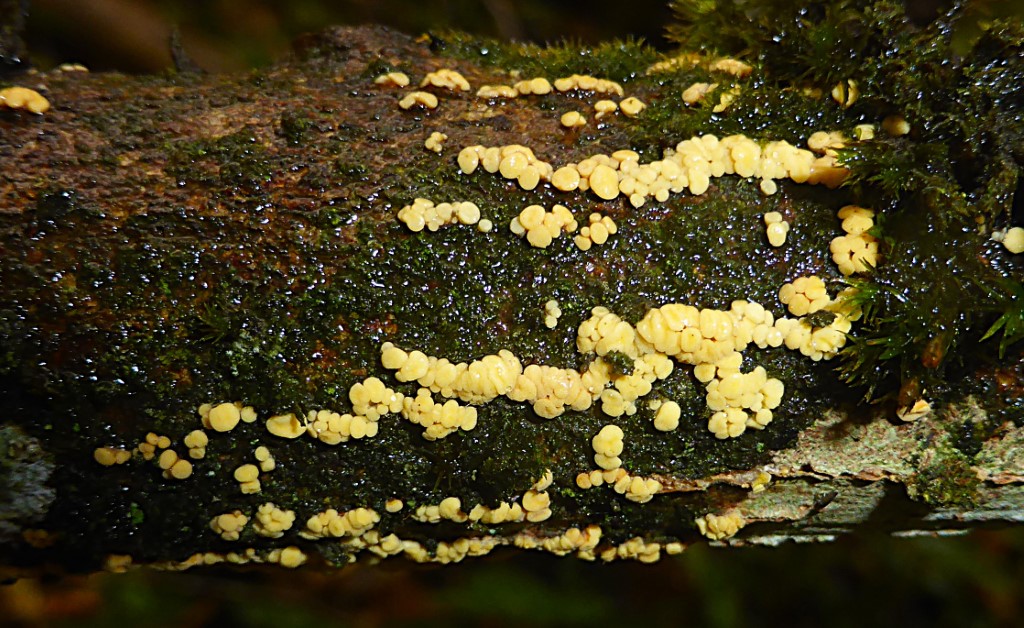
(220, 342)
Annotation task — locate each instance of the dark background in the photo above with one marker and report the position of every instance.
(859, 581)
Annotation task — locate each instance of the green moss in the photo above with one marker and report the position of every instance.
(947, 481)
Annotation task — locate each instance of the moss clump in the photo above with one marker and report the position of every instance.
(946, 481)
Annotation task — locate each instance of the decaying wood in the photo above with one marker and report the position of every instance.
(320, 153)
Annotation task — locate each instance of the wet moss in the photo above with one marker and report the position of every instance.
(948, 481)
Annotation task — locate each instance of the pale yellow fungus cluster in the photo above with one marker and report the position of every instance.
(331, 523)
(857, 251)
(539, 86)
(1012, 239)
(450, 508)
(229, 525)
(720, 527)
(804, 295)
(596, 232)
(438, 419)
(761, 482)
(692, 165)
(285, 426)
(248, 480)
(435, 142)
(72, 67)
(846, 93)
(174, 467)
(497, 91)
(634, 549)
(607, 446)
(478, 382)
(667, 416)
(603, 108)
(826, 142)
(290, 557)
(698, 92)
(225, 416)
(732, 66)
(424, 100)
(273, 522)
(917, 410)
(332, 428)
(776, 228)
(541, 227)
(24, 98)
(632, 106)
(741, 400)
(582, 542)
(394, 505)
(573, 119)
(513, 161)
(266, 460)
(151, 444)
(446, 79)
(551, 314)
(109, 456)
(587, 83)
(394, 79)
(895, 125)
(424, 214)
(537, 505)
(196, 441)
(633, 487)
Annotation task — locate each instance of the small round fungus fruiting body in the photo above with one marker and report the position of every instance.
(573, 119)
(24, 98)
(229, 525)
(632, 106)
(667, 417)
(1013, 240)
(605, 107)
(285, 426)
(604, 182)
(720, 527)
(224, 417)
(394, 505)
(895, 125)
(290, 557)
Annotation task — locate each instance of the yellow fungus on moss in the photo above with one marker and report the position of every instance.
(697, 92)
(229, 525)
(667, 417)
(394, 505)
(896, 125)
(607, 446)
(290, 557)
(604, 182)
(497, 91)
(604, 107)
(285, 426)
(224, 417)
(1013, 240)
(109, 456)
(273, 522)
(24, 98)
(632, 106)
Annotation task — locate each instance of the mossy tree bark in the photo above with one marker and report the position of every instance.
(187, 239)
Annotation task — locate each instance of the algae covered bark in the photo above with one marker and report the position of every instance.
(182, 240)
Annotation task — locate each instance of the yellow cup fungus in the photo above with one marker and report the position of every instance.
(573, 119)
(607, 446)
(266, 460)
(24, 98)
(173, 466)
(632, 106)
(776, 228)
(587, 83)
(596, 232)
(446, 79)
(846, 93)
(857, 251)
(604, 107)
(720, 527)
(551, 313)
(667, 417)
(395, 79)
(895, 125)
(109, 456)
(229, 525)
(697, 92)
(196, 441)
(539, 86)
(1012, 239)
(423, 214)
(804, 295)
(497, 91)
(541, 227)
(424, 100)
(435, 142)
(273, 522)
(290, 557)
(285, 426)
